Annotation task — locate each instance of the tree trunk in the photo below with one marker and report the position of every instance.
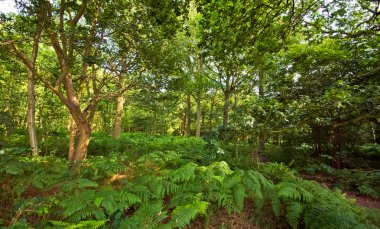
(40, 119)
(261, 142)
(198, 121)
(337, 145)
(226, 107)
(118, 116)
(262, 139)
(211, 115)
(183, 123)
(31, 117)
(84, 133)
(203, 117)
(73, 134)
(376, 132)
(154, 122)
(188, 127)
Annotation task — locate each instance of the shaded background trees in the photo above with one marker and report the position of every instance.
(281, 73)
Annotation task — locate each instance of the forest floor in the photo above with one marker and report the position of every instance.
(327, 181)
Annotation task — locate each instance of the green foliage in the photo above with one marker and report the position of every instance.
(161, 190)
(294, 210)
(371, 151)
(83, 224)
(139, 144)
(368, 191)
(183, 214)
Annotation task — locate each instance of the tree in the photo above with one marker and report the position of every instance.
(77, 32)
(230, 31)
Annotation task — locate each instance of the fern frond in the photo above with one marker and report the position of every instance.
(239, 196)
(293, 213)
(84, 182)
(77, 202)
(182, 215)
(288, 191)
(220, 168)
(89, 224)
(146, 216)
(231, 180)
(184, 173)
(141, 191)
(13, 168)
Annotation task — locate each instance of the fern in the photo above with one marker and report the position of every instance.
(146, 216)
(293, 214)
(183, 214)
(220, 168)
(257, 185)
(239, 196)
(84, 182)
(185, 173)
(368, 191)
(233, 179)
(13, 168)
(141, 191)
(77, 203)
(129, 199)
(90, 224)
(295, 191)
(288, 192)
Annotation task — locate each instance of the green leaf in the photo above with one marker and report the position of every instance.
(84, 182)
(98, 201)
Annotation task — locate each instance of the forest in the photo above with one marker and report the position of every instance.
(219, 114)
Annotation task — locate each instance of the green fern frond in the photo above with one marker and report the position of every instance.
(220, 168)
(226, 200)
(239, 196)
(276, 204)
(84, 183)
(287, 190)
(90, 224)
(141, 191)
(184, 173)
(180, 198)
(182, 215)
(128, 198)
(77, 202)
(368, 191)
(293, 213)
(146, 216)
(14, 168)
(231, 180)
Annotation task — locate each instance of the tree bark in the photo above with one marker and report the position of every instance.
(40, 118)
(183, 122)
(31, 117)
(262, 140)
(154, 122)
(73, 134)
(119, 110)
(188, 127)
(118, 116)
(226, 106)
(198, 121)
(211, 115)
(83, 141)
(337, 145)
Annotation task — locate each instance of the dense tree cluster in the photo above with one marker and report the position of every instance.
(278, 71)
(172, 113)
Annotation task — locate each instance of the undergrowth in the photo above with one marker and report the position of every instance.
(160, 190)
